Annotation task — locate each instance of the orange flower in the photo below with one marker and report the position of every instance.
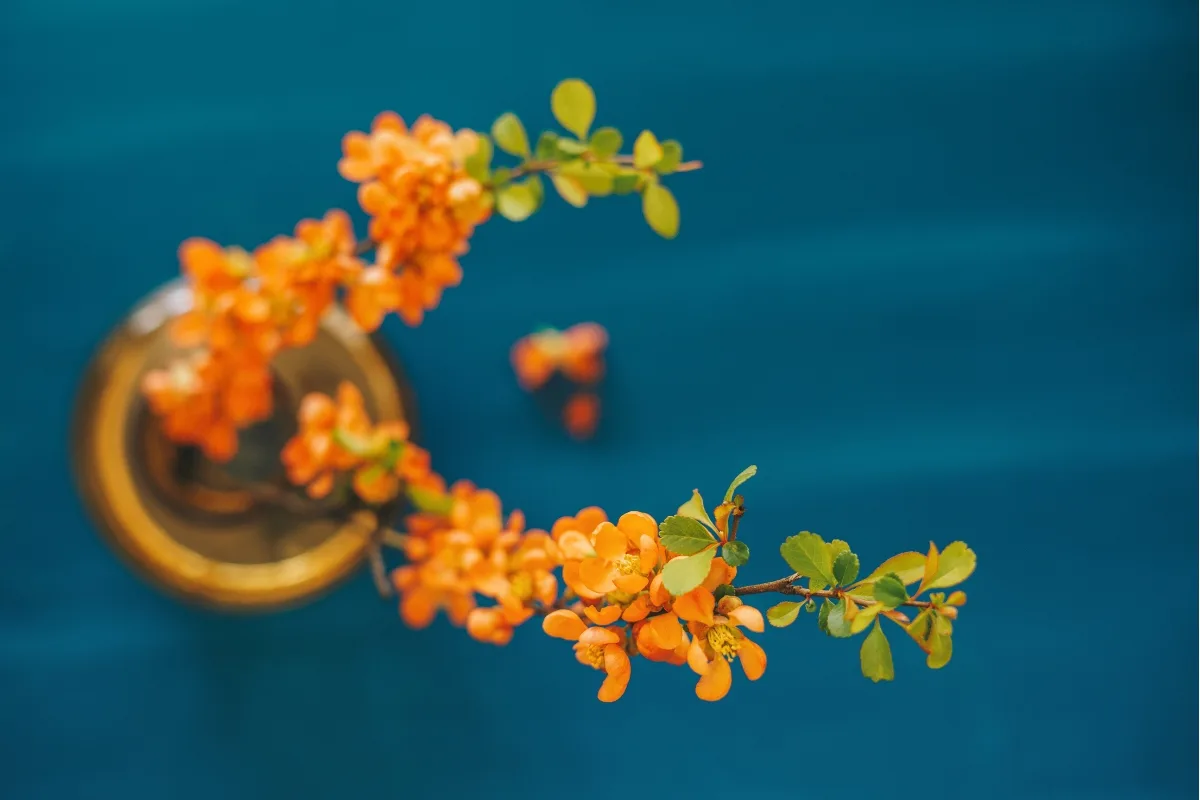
(717, 639)
(597, 647)
(662, 638)
(625, 555)
(577, 352)
(581, 414)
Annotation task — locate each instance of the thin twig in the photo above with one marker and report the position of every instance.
(787, 586)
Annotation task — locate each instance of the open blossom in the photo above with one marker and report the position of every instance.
(717, 639)
(577, 352)
(598, 647)
(423, 206)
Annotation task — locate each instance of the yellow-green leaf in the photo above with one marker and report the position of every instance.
(661, 210)
(955, 565)
(940, 645)
(845, 568)
(783, 614)
(684, 573)
(569, 189)
(478, 164)
(574, 105)
(909, 567)
(683, 535)
(743, 476)
(517, 201)
(837, 547)
(876, 656)
(429, 501)
(838, 623)
(646, 150)
(865, 617)
(807, 555)
(547, 146)
(890, 591)
(625, 182)
(672, 157)
(510, 136)
(931, 567)
(606, 142)
(594, 179)
(694, 508)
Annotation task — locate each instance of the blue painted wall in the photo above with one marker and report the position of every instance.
(948, 249)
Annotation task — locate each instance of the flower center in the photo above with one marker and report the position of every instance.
(724, 641)
(522, 585)
(629, 564)
(619, 598)
(594, 655)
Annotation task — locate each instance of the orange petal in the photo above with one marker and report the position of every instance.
(570, 573)
(598, 636)
(648, 551)
(666, 630)
(696, 657)
(616, 664)
(696, 606)
(754, 659)
(575, 546)
(714, 684)
(636, 524)
(638, 610)
(594, 574)
(588, 518)
(631, 584)
(748, 617)
(602, 616)
(564, 624)
(658, 593)
(718, 573)
(417, 608)
(610, 542)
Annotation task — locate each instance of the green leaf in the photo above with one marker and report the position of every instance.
(823, 617)
(810, 605)
(606, 142)
(743, 476)
(807, 555)
(890, 591)
(574, 105)
(876, 656)
(684, 573)
(547, 146)
(837, 624)
(430, 502)
(510, 136)
(661, 211)
(724, 590)
(845, 568)
(354, 444)
(864, 618)
(570, 147)
(783, 614)
(646, 150)
(595, 180)
(569, 189)
(694, 509)
(909, 567)
(478, 164)
(683, 535)
(735, 553)
(920, 628)
(517, 201)
(625, 182)
(940, 645)
(955, 565)
(672, 157)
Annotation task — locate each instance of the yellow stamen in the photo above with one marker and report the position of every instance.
(724, 641)
(522, 585)
(594, 655)
(629, 564)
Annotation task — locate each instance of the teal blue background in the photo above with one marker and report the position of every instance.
(937, 279)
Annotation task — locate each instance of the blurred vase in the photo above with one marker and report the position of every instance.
(231, 536)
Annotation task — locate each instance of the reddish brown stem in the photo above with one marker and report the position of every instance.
(787, 586)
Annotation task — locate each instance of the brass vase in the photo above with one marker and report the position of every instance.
(230, 536)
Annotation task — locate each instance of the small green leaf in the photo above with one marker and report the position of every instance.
(661, 211)
(807, 555)
(694, 509)
(845, 568)
(810, 605)
(876, 656)
(743, 476)
(836, 547)
(672, 157)
(510, 136)
(606, 142)
(501, 176)
(683, 535)
(594, 179)
(864, 617)
(955, 565)
(823, 617)
(783, 614)
(684, 573)
(574, 105)
(890, 591)
(920, 628)
(478, 164)
(625, 183)
(517, 201)
(569, 189)
(837, 624)
(646, 150)
(940, 645)
(724, 590)
(547, 146)
(735, 553)
(570, 147)
(354, 444)
(430, 502)
(910, 567)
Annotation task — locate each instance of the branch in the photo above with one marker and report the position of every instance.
(787, 586)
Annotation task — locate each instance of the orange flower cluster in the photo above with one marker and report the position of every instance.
(577, 353)
(338, 437)
(613, 606)
(246, 307)
(423, 207)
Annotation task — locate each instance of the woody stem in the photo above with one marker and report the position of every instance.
(787, 586)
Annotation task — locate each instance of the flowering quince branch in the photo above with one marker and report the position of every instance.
(617, 589)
